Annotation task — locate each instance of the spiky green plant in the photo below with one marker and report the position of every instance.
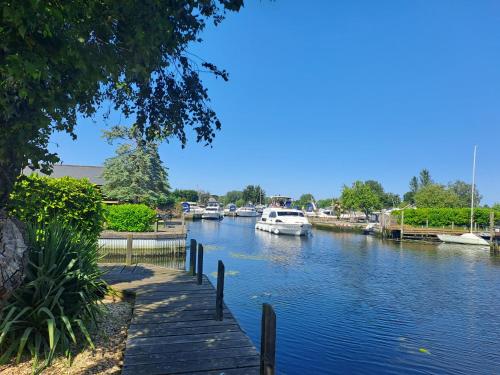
(59, 299)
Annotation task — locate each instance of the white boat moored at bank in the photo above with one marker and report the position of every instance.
(213, 211)
(464, 239)
(247, 211)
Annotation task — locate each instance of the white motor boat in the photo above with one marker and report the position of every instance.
(278, 218)
(465, 239)
(247, 211)
(213, 211)
(284, 221)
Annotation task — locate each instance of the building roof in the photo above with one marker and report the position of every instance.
(91, 172)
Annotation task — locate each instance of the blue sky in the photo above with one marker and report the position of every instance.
(322, 93)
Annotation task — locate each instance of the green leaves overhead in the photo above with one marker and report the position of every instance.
(59, 59)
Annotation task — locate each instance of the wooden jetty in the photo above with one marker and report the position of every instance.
(175, 328)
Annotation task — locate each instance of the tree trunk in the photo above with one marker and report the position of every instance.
(13, 255)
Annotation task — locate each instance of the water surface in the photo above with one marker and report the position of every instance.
(353, 304)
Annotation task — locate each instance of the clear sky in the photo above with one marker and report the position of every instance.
(322, 93)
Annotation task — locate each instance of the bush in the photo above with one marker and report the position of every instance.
(59, 299)
(439, 217)
(130, 218)
(75, 202)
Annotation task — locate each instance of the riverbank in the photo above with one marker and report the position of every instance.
(336, 225)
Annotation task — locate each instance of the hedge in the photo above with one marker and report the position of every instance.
(130, 218)
(76, 202)
(439, 217)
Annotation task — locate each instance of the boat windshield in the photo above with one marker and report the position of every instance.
(290, 213)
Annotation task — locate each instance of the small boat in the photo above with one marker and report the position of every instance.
(230, 209)
(465, 239)
(279, 218)
(247, 211)
(369, 229)
(213, 211)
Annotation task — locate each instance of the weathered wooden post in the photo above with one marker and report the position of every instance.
(219, 299)
(493, 244)
(128, 257)
(200, 264)
(268, 341)
(452, 225)
(192, 257)
(402, 225)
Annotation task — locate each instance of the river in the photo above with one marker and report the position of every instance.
(353, 304)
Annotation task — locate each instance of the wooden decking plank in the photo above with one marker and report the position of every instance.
(172, 357)
(255, 370)
(145, 348)
(173, 330)
(177, 316)
(141, 332)
(190, 366)
(202, 338)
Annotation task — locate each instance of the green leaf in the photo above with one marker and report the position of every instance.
(22, 342)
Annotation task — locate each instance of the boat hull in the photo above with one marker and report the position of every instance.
(247, 213)
(282, 228)
(212, 216)
(464, 239)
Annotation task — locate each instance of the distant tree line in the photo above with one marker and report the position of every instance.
(426, 193)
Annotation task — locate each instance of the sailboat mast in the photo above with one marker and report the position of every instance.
(473, 188)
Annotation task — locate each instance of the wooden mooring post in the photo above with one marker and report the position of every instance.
(401, 233)
(192, 257)
(128, 256)
(268, 341)
(199, 274)
(219, 299)
(493, 240)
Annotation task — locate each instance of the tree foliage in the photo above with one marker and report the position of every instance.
(416, 183)
(387, 200)
(232, 196)
(254, 194)
(436, 196)
(136, 174)
(463, 191)
(438, 217)
(130, 218)
(185, 195)
(60, 59)
(360, 196)
(75, 202)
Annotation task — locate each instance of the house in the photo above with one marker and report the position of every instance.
(90, 172)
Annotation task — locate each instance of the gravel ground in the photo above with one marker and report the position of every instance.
(107, 358)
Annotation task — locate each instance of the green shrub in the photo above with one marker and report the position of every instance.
(59, 299)
(439, 217)
(130, 218)
(76, 202)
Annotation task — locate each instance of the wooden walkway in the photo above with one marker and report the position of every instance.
(173, 330)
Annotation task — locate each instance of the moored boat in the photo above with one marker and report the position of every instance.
(464, 239)
(247, 211)
(279, 218)
(213, 211)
